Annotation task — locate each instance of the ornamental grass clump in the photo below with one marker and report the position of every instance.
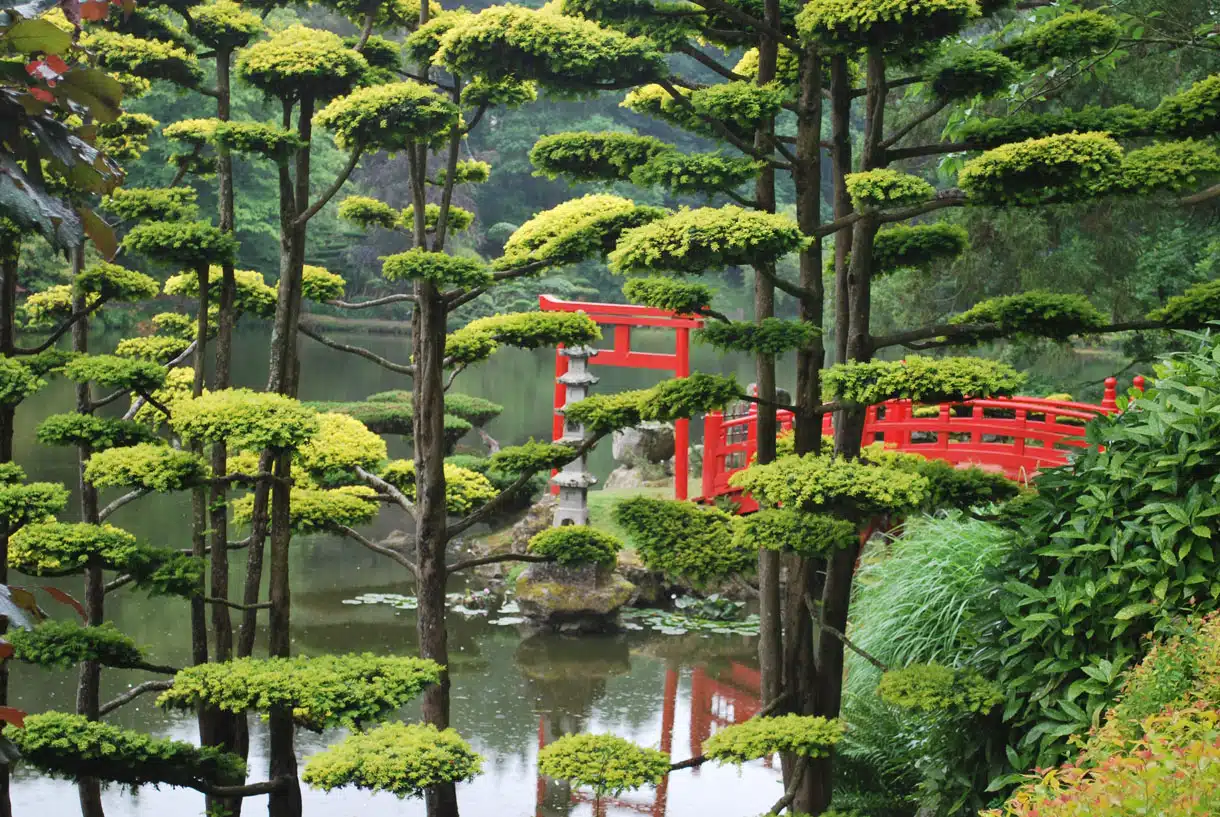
(608, 764)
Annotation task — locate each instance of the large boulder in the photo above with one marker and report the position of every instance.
(572, 600)
(645, 443)
(538, 518)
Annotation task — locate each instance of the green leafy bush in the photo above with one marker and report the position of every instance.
(312, 510)
(1069, 36)
(151, 466)
(1034, 314)
(139, 203)
(922, 379)
(531, 456)
(341, 445)
(112, 372)
(1194, 308)
(695, 173)
(771, 336)
(404, 759)
(966, 74)
(390, 117)
(587, 156)
(850, 23)
(99, 433)
(608, 764)
(684, 540)
(576, 230)
(664, 293)
(917, 246)
(439, 268)
(761, 737)
(937, 688)
(64, 644)
(874, 189)
(245, 419)
(300, 60)
(187, 244)
(1064, 167)
(576, 545)
(807, 534)
(17, 381)
(465, 490)
(854, 489)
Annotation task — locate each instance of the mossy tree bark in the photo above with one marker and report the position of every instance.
(8, 321)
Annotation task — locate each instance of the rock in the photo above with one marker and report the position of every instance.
(537, 519)
(651, 589)
(572, 600)
(646, 443)
(625, 477)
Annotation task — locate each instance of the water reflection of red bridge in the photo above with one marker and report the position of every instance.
(717, 699)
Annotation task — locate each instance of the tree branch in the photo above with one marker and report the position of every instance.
(707, 62)
(62, 329)
(388, 299)
(839, 634)
(133, 693)
(953, 197)
(380, 484)
(742, 18)
(118, 582)
(719, 126)
(338, 183)
(914, 123)
(376, 548)
(248, 790)
(466, 564)
(699, 760)
(1200, 197)
(265, 605)
(399, 368)
(130, 496)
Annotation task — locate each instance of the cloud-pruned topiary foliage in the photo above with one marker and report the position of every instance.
(320, 285)
(917, 246)
(1172, 167)
(853, 489)
(679, 297)
(64, 644)
(1120, 121)
(922, 379)
(323, 691)
(576, 545)
(112, 372)
(578, 229)
(253, 295)
(1033, 314)
(770, 336)
(151, 466)
(257, 138)
(684, 540)
(693, 173)
(389, 117)
(144, 58)
(532, 456)
(402, 759)
(187, 244)
(194, 132)
(164, 203)
(739, 106)
(478, 339)
(465, 490)
(669, 400)
(705, 239)
(368, 212)
(467, 171)
(22, 503)
(157, 348)
(937, 688)
(299, 62)
(586, 156)
(1193, 112)
(964, 74)
(949, 487)
(608, 764)
(99, 433)
(444, 270)
(807, 534)
(17, 382)
(72, 746)
(855, 23)
(1194, 308)
(883, 187)
(245, 419)
(421, 45)
(116, 283)
(1069, 36)
(312, 510)
(341, 445)
(566, 54)
(761, 737)
(1064, 167)
(126, 138)
(224, 24)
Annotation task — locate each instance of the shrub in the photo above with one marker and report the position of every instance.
(112, 372)
(807, 534)
(761, 737)
(684, 540)
(921, 379)
(576, 545)
(854, 489)
(670, 295)
(693, 241)
(608, 764)
(64, 644)
(874, 189)
(151, 466)
(937, 688)
(99, 433)
(465, 490)
(771, 336)
(245, 419)
(1034, 314)
(341, 445)
(403, 759)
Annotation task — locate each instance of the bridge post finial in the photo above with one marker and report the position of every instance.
(1139, 382)
(1109, 399)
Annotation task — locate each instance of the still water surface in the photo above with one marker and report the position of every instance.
(668, 692)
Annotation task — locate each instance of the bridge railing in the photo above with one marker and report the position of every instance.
(1017, 436)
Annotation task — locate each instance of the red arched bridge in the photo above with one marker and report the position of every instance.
(1017, 436)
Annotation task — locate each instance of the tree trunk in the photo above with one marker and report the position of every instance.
(199, 512)
(840, 154)
(8, 308)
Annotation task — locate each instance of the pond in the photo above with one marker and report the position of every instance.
(665, 691)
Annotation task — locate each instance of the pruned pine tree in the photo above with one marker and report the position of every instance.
(865, 58)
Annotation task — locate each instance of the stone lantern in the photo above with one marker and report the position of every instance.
(575, 480)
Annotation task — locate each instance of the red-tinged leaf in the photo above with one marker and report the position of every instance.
(57, 64)
(63, 597)
(6, 650)
(99, 232)
(41, 95)
(16, 717)
(94, 11)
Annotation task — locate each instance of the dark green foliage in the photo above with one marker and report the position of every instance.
(162, 203)
(164, 572)
(477, 411)
(112, 372)
(383, 56)
(1034, 314)
(576, 545)
(1118, 120)
(49, 361)
(684, 540)
(501, 478)
(937, 688)
(531, 456)
(404, 759)
(771, 336)
(922, 379)
(665, 293)
(807, 534)
(602, 156)
(126, 138)
(71, 746)
(608, 764)
(693, 173)
(64, 644)
(186, 244)
(1068, 36)
(918, 246)
(1196, 306)
(1112, 547)
(761, 737)
(975, 72)
(323, 691)
(440, 268)
(99, 433)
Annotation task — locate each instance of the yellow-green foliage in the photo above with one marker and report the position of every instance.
(665, 293)
(224, 24)
(318, 509)
(874, 189)
(112, 372)
(1193, 112)
(368, 212)
(854, 489)
(421, 45)
(576, 545)
(72, 746)
(505, 93)
(126, 138)
(696, 172)
(948, 487)
(739, 105)
(807, 534)
(383, 56)
(608, 764)
(967, 73)
(322, 691)
(937, 688)
(153, 347)
(163, 203)
(253, 296)
(149, 466)
(465, 490)
(22, 503)
(762, 737)
(594, 156)
(853, 23)
(684, 540)
(467, 171)
(178, 387)
(568, 54)
(771, 336)
(574, 231)
(64, 644)
(389, 117)
(459, 218)
(17, 382)
(388, 13)
(300, 61)
(668, 400)
(116, 283)
(1064, 167)
(98, 433)
(50, 306)
(186, 244)
(787, 69)
(440, 268)
(403, 759)
(1073, 35)
(531, 456)
(922, 379)
(144, 58)
(706, 239)
(917, 246)
(196, 132)
(480, 338)
(1168, 166)
(341, 445)
(320, 285)
(259, 138)
(1196, 306)
(244, 419)
(1036, 314)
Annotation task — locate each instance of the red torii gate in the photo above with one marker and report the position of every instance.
(623, 317)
